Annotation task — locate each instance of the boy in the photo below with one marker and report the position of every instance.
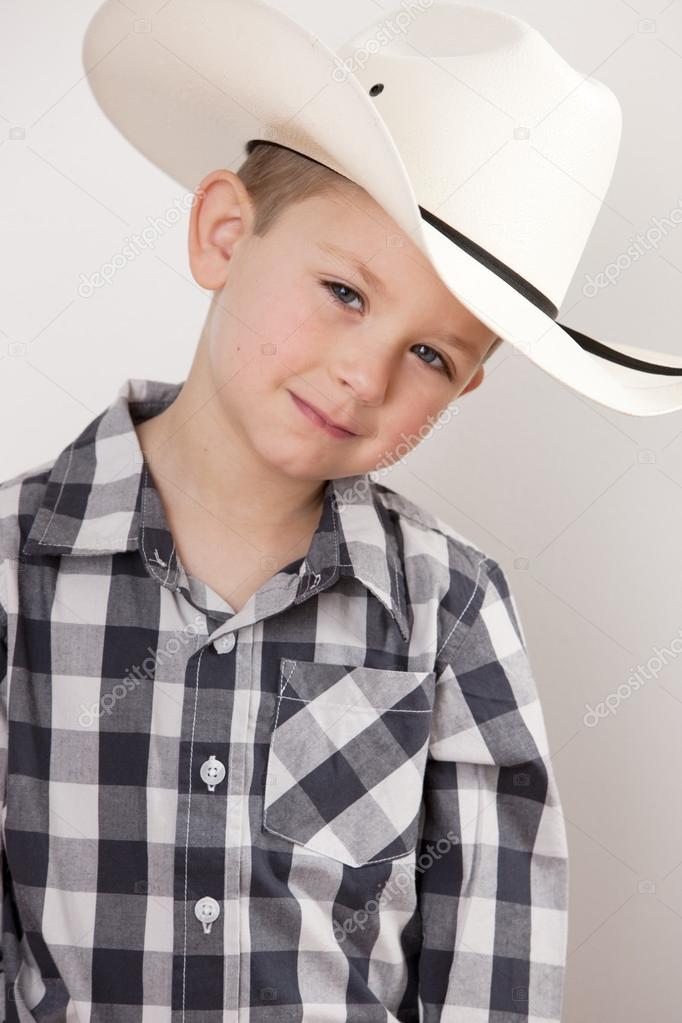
(272, 746)
(254, 394)
(236, 823)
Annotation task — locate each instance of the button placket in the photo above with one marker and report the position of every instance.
(205, 818)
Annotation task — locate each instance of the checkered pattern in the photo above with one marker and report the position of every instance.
(347, 756)
(386, 841)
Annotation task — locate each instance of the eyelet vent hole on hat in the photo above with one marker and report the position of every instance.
(376, 89)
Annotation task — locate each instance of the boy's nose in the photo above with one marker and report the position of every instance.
(366, 370)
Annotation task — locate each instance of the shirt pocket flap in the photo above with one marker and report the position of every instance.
(346, 762)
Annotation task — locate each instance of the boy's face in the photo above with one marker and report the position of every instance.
(294, 323)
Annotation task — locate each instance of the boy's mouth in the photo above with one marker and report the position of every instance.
(318, 419)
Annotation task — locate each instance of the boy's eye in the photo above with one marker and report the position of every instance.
(443, 365)
(332, 286)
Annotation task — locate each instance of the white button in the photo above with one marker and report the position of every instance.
(207, 910)
(225, 643)
(212, 771)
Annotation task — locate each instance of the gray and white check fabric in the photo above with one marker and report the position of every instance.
(336, 805)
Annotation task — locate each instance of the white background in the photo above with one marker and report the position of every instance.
(581, 506)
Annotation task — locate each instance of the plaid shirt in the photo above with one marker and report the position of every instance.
(334, 805)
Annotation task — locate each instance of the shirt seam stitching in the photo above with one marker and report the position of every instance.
(464, 610)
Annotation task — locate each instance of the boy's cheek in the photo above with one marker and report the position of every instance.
(409, 427)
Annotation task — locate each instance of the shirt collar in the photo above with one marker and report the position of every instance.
(100, 499)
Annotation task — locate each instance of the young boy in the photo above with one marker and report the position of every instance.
(274, 742)
(272, 749)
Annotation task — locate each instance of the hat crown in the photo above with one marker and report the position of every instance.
(500, 136)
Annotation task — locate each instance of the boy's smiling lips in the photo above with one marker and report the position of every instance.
(317, 417)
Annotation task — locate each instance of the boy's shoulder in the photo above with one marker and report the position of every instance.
(437, 535)
(455, 574)
(48, 502)
(446, 570)
(21, 496)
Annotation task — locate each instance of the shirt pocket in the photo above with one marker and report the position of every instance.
(345, 767)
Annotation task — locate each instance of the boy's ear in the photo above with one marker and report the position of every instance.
(222, 215)
(476, 379)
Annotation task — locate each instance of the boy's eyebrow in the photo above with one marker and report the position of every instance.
(370, 278)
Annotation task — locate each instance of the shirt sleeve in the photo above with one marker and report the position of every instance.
(492, 871)
(3, 773)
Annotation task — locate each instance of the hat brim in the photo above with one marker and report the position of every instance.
(544, 341)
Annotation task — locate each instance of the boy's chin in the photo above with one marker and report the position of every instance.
(289, 457)
(294, 462)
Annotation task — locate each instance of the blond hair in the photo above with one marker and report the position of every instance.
(276, 177)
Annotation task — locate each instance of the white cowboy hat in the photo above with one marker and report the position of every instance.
(490, 151)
